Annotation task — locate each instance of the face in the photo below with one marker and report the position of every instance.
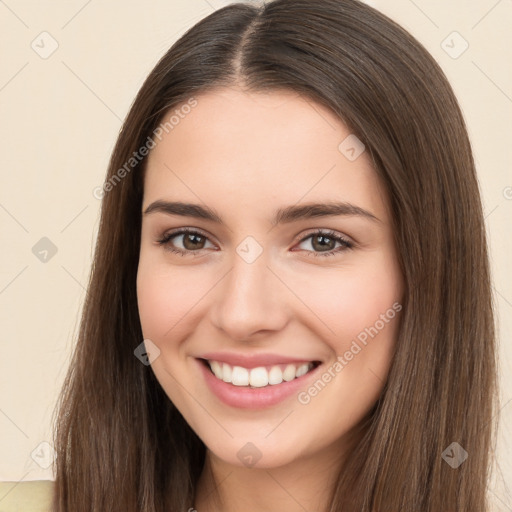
(275, 319)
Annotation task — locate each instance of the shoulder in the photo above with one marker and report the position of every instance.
(33, 496)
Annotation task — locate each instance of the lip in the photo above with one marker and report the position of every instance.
(254, 398)
(253, 360)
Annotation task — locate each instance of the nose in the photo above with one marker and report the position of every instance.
(250, 300)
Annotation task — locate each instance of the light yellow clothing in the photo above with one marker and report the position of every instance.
(35, 496)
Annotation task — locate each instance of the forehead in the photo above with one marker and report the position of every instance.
(256, 148)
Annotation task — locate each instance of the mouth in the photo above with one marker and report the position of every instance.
(260, 376)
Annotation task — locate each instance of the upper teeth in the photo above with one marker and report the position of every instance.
(260, 376)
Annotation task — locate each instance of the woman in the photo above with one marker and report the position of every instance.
(290, 304)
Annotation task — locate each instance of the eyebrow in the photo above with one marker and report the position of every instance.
(284, 215)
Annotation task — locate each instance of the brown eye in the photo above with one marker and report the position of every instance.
(192, 242)
(324, 243)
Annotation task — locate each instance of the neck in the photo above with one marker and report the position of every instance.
(303, 484)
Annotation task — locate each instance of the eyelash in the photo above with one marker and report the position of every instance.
(164, 241)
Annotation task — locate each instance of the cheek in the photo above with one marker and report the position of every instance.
(352, 300)
(363, 312)
(165, 298)
(155, 301)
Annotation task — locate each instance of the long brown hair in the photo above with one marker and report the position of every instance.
(123, 446)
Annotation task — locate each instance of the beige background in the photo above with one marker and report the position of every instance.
(60, 115)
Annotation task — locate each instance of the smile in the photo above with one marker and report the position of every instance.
(260, 376)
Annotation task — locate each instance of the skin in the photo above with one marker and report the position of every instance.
(245, 155)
